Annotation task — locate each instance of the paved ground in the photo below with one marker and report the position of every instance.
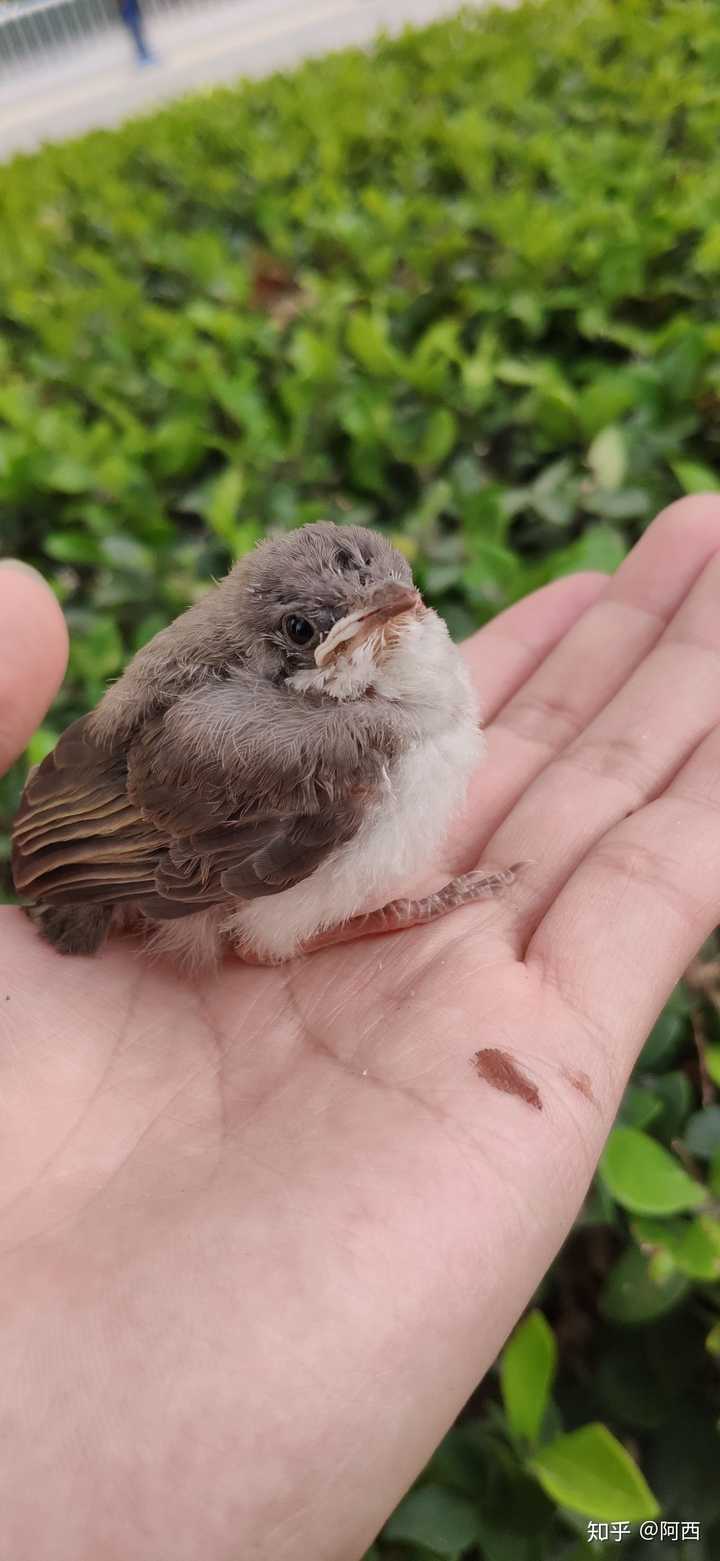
(99, 84)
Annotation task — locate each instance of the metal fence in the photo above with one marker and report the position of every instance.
(36, 29)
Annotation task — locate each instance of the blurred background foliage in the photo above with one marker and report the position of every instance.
(463, 287)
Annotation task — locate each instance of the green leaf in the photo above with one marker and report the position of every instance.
(664, 1041)
(675, 1095)
(435, 350)
(72, 547)
(600, 547)
(702, 1134)
(124, 552)
(695, 476)
(644, 1178)
(478, 378)
(492, 572)
(605, 399)
(41, 743)
(591, 1472)
(527, 1369)
(148, 627)
(554, 493)
(607, 458)
(631, 1293)
(70, 475)
(712, 1342)
(223, 503)
(628, 1390)
(437, 1519)
(482, 509)
(599, 1208)
(639, 1107)
(314, 356)
(178, 443)
(97, 652)
(618, 503)
(513, 1513)
(369, 341)
(685, 1454)
(438, 438)
(692, 1245)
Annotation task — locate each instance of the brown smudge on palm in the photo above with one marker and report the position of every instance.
(580, 1081)
(497, 1068)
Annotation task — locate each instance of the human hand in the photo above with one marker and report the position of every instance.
(260, 1235)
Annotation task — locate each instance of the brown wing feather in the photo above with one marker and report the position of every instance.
(86, 832)
(77, 835)
(256, 857)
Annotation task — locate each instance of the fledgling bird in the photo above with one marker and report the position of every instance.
(270, 772)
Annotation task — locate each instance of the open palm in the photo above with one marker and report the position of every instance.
(261, 1234)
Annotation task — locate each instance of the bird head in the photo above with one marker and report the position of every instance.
(329, 609)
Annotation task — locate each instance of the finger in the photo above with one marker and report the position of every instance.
(619, 936)
(33, 653)
(626, 756)
(589, 665)
(503, 655)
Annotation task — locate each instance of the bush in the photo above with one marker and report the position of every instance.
(464, 288)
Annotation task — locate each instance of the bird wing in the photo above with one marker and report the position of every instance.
(142, 823)
(77, 835)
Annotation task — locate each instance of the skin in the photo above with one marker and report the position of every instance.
(260, 1237)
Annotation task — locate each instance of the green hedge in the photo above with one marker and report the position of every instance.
(464, 287)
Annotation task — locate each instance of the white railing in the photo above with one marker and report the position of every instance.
(35, 29)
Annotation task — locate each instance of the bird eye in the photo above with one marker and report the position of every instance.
(298, 630)
(344, 559)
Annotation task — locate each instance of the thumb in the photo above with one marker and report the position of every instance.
(33, 654)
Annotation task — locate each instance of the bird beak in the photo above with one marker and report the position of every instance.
(387, 601)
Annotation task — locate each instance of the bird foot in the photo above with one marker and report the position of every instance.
(399, 915)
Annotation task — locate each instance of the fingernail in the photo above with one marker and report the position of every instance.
(19, 563)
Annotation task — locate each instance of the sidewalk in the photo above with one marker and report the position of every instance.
(99, 84)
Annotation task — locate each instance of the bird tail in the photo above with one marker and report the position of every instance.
(72, 929)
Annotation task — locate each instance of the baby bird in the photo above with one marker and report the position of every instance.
(270, 772)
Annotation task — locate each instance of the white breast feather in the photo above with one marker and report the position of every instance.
(398, 849)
